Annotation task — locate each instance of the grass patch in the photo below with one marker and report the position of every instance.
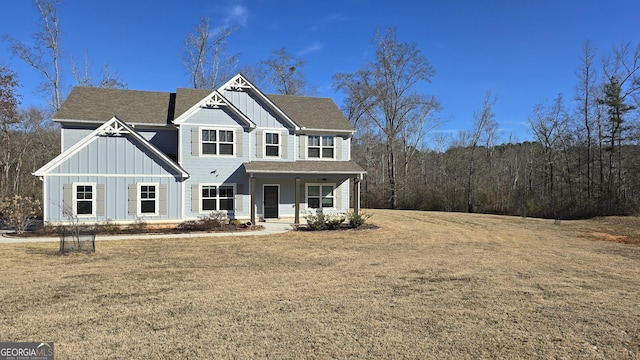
(423, 285)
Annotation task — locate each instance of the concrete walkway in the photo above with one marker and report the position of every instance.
(269, 228)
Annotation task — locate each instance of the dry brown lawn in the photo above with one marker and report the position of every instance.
(424, 285)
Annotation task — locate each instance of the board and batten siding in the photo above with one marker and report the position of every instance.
(214, 169)
(112, 198)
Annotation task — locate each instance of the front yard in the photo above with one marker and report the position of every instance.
(423, 285)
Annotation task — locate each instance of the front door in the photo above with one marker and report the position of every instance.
(271, 201)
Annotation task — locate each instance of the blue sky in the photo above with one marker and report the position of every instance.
(525, 52)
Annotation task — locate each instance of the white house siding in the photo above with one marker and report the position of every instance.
(286, 208)
(212, 169)
(70, 135)
(166, 140)
(115, 162)
(259, 114)
(115, 198)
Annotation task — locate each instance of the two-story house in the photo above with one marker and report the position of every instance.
(169, 157)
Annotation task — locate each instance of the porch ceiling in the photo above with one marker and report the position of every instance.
(304, 167)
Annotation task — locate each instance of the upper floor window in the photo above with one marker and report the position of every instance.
(84, 199)
(217, 142)
(272, 144)
(321, 147)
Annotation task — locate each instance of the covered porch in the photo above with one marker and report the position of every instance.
(285, 190)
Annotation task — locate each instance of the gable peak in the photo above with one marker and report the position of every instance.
(215, 101)
(113, 127)
(238, 83)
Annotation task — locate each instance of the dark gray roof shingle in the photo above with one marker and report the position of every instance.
(160, 108)
(132, 106)
(312, 112)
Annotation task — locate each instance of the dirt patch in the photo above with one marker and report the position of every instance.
(422, 285)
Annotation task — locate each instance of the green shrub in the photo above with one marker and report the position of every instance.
(357, 220)
(334, 221)
(216, 220)
(315, 221)
(321, 221)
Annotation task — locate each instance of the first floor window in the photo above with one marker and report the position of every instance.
(320, 196)
(209, 202)
(85, 199)
(148, 199)
(215, 198)
(321, 147)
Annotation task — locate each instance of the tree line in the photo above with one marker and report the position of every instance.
(583, 160)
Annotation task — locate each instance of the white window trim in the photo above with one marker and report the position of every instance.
(217, 142)
(321, 147)
(74, 201)
(264, 141)
(156, 199)
(321, 185)
(217, 198)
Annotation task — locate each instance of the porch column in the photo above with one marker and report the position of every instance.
(252, 191)
(356, 195)
(297, 202)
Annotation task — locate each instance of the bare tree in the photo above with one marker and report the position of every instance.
(284, 72)
(106, 78)
(383, 92)
(45, 53)
(586, 99)
(205, 57)
(484, 126)
(549, 125)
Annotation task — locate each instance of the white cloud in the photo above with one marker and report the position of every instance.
(315, 46)
(237, 14)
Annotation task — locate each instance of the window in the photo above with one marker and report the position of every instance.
(215, 198)
(148, 199)
(84, 199)
(320, 196)
(321, 147)
(272, 144)
(209, 202)
(217, 142)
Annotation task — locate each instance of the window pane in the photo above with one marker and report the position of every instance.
(148, 206)
(84, 208)
(314, 152)
(226, 204)
(209, 149)
(327, 153)
(314, 203)
(272, 139)
(226, 136)
(272, 150)
(327, 202)
(226, 149)
(208, 135)
(209, 204)
(226, 191)
(313, 191)
(208, 191)
(327, 141)
(314, 140)
(327, 191)
(84, 192)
